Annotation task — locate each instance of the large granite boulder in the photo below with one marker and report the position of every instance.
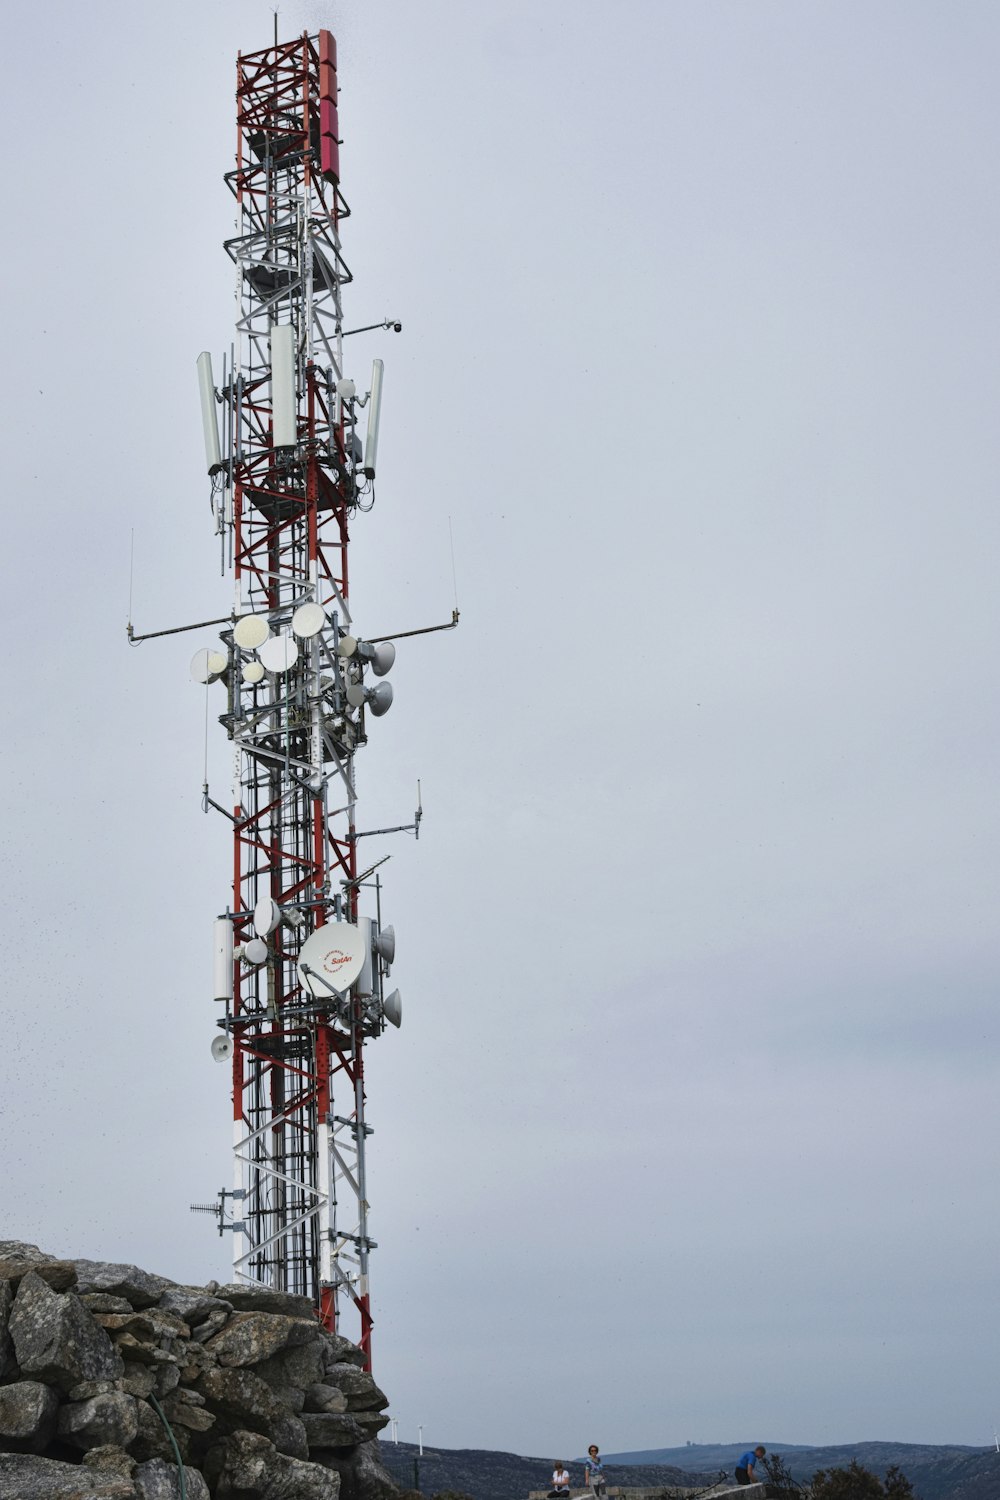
(103, 1420)
(248, 1467)
(321, 1397)
(18, 1258)
(243, 1400)
(357, 1385)
(361, 1472)
(55, 1338)
(139, 1288)
(8, 1364)
(263, 1299)
(193, 1304)
(28, 1412)
(27, 1477)
(292, 1371)
(158, 1480)
(250, 1337)
(328, 1429)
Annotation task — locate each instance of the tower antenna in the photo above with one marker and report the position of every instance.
(301, 955)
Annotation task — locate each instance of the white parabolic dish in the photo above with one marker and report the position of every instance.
(208, 665)
(266, 916)
(279, 653)
(251, 631)
(308, 620)
(334, 953)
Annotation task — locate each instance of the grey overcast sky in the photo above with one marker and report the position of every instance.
(690, 1129)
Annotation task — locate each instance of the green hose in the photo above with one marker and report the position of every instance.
(173, 1443)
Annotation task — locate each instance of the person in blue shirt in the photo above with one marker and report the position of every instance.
(594, 1473)
(747, 1464)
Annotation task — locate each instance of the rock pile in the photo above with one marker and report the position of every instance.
(119, 1385)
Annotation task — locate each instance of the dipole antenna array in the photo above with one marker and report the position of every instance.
(301, 971)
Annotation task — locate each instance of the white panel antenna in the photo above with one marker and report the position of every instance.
(209, 422)
(364, 985)
(374, 412)
(222, 956)
(283, 403)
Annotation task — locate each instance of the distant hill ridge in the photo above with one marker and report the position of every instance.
(937, 1471)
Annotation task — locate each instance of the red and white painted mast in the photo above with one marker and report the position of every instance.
(301, 958)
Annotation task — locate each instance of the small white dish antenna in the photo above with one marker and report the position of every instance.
(334, 954)
(385, 944)
(383, 657)
(347, 645)
(280, 653)
(392, 1008)
(346, 389)
(252, 672)
(356, 694)
(208, 665)
(251, 631)
(308, 620)
(266, 916)
(222, 1048)
(255, 952)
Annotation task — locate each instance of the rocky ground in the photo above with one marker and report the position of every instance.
(116, 1384)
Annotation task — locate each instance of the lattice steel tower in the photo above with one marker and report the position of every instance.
(300, 971)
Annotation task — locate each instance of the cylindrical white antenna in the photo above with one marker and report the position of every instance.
(206, 385)
(374, 408)
(283, 385)
(223, 956)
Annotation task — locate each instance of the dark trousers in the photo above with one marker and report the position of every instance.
(743, 1476)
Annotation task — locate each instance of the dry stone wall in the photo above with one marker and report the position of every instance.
(110, 1375)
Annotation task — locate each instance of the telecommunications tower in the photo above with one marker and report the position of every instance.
(302, 957)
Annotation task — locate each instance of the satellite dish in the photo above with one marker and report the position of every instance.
(266, 916)
(222, 1048)
(347, 645)
(346, 389)
(208, 665)
(392, 1008)
(280, 653)
(385, 944)
(383, 658)
(380, 699)
(308, 620)
(334, 954)
(251, 631)
(252, 672)
(255, 952)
